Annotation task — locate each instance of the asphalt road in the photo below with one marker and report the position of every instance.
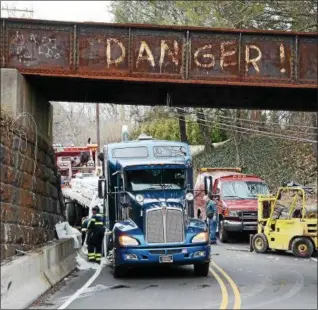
(238, 280)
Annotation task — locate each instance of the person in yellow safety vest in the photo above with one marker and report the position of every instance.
(85, 221)
(95, 236)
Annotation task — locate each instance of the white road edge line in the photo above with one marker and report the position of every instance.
(314, 259)
(83, 288)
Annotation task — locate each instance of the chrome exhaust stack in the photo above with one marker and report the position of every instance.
(124, 133)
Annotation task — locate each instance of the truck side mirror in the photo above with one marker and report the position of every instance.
(207, 184)
(102, 189)
(101, 157)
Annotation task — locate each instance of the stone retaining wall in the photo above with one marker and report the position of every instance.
(30, 194)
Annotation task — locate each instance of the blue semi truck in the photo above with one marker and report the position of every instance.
(147, 187)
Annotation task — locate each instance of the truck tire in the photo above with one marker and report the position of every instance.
(259, 243)
(201, 270)
(70, 213)
(78, 215)
(302, 247)
(119, 271)
(223, 234)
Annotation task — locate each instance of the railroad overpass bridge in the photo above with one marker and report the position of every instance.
(164, 65)
(154, 65)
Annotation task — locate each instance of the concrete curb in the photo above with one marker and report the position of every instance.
(26, 278)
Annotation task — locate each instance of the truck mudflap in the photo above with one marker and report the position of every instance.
(178, 256)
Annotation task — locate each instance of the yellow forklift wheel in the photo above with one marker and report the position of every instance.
(302, 247)
(260, 244)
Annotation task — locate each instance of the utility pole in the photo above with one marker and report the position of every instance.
(98, 131)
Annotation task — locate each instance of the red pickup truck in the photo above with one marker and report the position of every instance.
(236, 196)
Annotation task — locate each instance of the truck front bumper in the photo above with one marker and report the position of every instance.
(180, 255)
(239, 226)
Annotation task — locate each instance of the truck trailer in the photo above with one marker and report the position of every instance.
(147, 188)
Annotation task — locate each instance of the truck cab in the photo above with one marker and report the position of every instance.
(148, 192)
(236, 196)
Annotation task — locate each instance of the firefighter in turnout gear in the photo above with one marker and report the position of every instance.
(85, 221)
(95, 236)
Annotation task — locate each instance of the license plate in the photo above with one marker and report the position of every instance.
(166, 259)
(250, 227)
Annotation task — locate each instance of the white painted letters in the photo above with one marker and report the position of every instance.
(144, 47)
(173, 54)
(210, 56)
(119, 59)
(282, 57)
(252, 61)
(225, 53)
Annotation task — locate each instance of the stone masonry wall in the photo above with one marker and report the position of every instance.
(30, 193)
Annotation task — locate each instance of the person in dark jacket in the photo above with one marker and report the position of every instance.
(85, 221)
(212, 217)
(95, 236)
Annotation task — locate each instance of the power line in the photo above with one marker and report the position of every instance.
(260, 133)
(246, 130)
(259, 122)
(264, 132)
(268, 123)
(292, 131)
(27, 13)
(272, 131)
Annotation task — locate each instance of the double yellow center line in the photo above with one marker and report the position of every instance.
(225, 295)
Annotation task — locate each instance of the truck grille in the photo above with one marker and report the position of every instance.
(249, 215)
(154, 226)
(164, 227)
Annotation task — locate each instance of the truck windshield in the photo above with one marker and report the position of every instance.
(243, 189)
(159, 179)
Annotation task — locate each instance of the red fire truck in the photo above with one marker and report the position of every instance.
(68, 159)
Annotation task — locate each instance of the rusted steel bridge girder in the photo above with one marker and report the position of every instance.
(169, 55)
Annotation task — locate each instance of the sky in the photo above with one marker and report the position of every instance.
(77, 11)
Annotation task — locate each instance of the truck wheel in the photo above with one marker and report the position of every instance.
(119, 272)
(302, 247)
(79, 214)
(201, 270)
(70, 212)
(223, 234)
(260, 244)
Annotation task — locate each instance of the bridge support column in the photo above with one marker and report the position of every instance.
(31, 198)
(18, 96)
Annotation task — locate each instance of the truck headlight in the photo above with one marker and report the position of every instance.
(139, 198)
(127, 241)
(234, 213)
(201, 237)
(189, 196)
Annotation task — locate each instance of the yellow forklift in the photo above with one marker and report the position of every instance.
(286, 222)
